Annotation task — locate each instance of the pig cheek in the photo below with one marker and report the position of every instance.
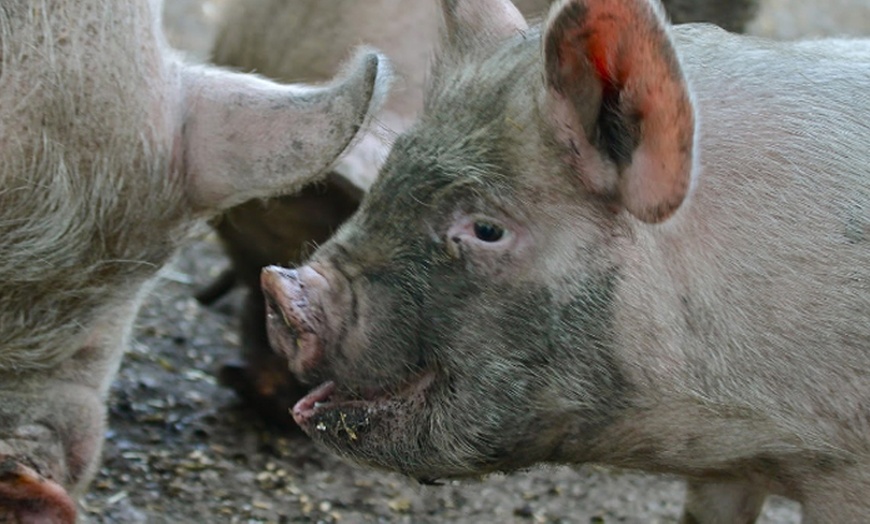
(514, 342)
(350, 360)
(372, 350)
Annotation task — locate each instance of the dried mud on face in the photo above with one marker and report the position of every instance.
(180, 448)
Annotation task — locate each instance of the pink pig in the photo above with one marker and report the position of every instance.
(112, 150)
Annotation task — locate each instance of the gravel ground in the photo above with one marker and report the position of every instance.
(182, 449)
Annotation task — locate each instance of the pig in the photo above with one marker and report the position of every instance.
(113, 151)
(287, 41)
(611, 240)
(303, 39)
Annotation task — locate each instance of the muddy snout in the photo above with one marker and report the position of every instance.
(293, 318)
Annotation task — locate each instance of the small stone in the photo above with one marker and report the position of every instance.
(525, 511)
(400, 505)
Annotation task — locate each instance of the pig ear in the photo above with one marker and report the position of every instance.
(620, 102)
(245, 137)
(472, 23)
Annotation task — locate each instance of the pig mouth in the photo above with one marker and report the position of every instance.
(329, 412)
(339, 413)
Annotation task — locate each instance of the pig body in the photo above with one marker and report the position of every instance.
(112, 150)
(645, 247)
(306, 40)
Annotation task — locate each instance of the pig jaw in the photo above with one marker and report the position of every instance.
(360, 422)
(365, 428)
(432, 419)
(356, 419)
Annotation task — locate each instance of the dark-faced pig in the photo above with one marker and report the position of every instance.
(290, 40)
(111, 150)
(608, 240)
(308, 40)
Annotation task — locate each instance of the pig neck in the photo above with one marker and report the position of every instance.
(721, 305)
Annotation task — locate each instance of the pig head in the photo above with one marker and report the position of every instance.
(612, 240)
(294, 39)
(112, 151)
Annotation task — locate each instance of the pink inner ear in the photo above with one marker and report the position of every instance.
(623, 46)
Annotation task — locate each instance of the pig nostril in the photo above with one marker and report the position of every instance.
(277, 283)
(271, 304)
(289, 316)
(275, 310)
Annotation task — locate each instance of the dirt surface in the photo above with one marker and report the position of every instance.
(182, 449)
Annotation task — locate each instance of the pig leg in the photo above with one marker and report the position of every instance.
(261, 378)
(217, 288)
(721, 503)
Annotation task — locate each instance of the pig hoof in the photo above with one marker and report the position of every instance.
(269, 390)
(26, 496)
(217, 288)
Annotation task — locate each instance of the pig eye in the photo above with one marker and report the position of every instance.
(487, 231)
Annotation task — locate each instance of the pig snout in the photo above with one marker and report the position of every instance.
(294, 316)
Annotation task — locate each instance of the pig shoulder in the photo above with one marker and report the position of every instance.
(770, 254)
